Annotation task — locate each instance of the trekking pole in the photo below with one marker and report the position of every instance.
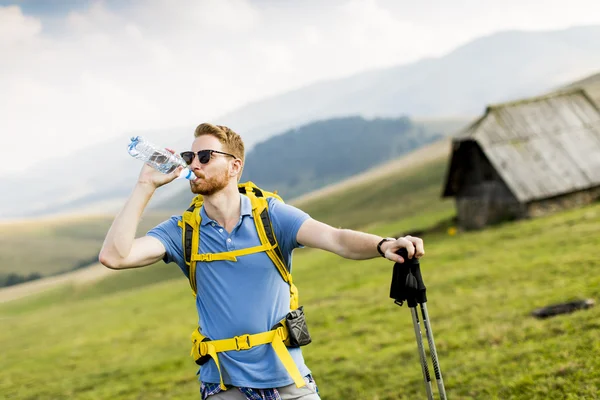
(422, 356)
(407, 285)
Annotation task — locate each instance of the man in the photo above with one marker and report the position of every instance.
(246, 296)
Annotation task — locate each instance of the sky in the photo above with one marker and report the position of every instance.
(74, 73)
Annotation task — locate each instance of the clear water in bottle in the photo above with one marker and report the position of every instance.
(157, 157)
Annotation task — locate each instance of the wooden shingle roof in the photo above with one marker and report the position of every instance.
(591, 85)
(543, 146)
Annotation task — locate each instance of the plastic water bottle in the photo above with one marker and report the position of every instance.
(158, 157)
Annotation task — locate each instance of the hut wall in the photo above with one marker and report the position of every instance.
(483, 198)
(576, 199)
(491, 202)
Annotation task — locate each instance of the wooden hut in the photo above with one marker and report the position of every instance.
(527, 158)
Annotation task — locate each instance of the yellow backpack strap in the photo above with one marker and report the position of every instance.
(264, 227)
(229, 255)
(258, 198)
(190, 236)
(249, 186)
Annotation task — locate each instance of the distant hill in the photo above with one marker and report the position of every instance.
(324, 152)
(328, 151)
(491, 69)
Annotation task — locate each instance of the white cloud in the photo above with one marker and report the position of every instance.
(15, 28)
(102, 72)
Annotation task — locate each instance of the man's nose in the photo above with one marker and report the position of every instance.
(196, 163)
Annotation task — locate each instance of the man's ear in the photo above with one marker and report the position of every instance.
(236, 167)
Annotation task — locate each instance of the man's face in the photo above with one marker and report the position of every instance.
(214, 175)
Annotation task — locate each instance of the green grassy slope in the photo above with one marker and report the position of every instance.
(405, 200)
(52, 246)
(126, 339)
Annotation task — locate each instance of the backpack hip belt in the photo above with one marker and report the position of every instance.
(203, 348)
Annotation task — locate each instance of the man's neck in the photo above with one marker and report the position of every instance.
(224, 207)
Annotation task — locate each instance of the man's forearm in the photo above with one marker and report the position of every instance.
(357, 245)
(120, 236)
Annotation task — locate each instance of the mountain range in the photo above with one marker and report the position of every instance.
(496, 68)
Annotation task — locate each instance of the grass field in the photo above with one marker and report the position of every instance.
(115, 340)
(126, 337)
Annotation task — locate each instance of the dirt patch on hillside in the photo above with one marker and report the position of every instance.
(81, 276)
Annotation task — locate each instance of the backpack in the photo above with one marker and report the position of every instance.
(291, 330)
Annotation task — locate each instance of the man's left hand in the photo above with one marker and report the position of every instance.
(412, 244)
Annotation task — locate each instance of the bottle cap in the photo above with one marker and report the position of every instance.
(186, 173)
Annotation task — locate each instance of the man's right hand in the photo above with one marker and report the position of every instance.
(154, 178)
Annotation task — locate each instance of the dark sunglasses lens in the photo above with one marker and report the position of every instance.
(204, 156)
(188, 157)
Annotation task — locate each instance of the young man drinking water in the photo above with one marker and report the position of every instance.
(237, 258)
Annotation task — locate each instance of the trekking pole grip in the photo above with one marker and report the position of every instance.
(407, 261)
(407, 282)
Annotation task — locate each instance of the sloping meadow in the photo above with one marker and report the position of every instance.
(127, 337)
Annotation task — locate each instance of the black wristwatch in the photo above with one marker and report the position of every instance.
(380, 243)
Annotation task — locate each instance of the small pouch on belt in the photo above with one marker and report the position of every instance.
(295, 322)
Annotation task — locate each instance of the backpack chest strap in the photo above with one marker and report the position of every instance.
(230, 255)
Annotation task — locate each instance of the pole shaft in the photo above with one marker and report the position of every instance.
(421, 348)
(434, 358)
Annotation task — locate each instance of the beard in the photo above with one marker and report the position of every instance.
(210, 186)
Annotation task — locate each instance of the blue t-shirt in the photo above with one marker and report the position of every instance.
(244, 297)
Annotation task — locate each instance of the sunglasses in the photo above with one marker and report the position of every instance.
(203, 156)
